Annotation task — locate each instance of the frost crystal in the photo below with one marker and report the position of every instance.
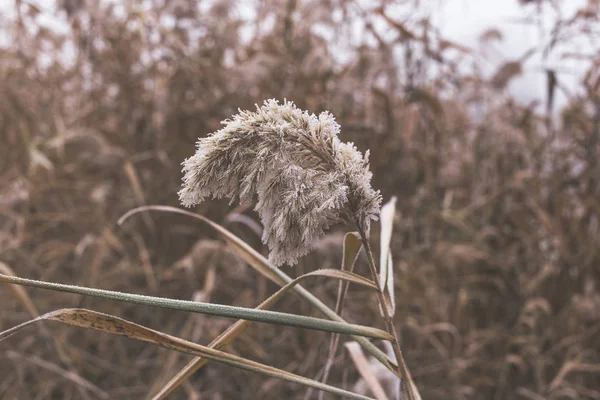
(293, 166)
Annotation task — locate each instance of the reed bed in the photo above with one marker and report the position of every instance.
(495, 238)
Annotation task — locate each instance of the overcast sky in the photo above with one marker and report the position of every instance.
(463, 21)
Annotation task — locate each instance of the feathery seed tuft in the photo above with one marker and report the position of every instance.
(293, 166)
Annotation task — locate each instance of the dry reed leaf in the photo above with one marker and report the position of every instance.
(245, 220)
(82, 384)
(388, 212)
(240, 247)
(66, 374)
(529, 394)
(112, 239)
(261, 264)
(386, 272)
(364, 368)
(386, 266)
(220, 310)
(444, 349)
(351, 249)
(204, 249)
(491, 34)
(38, 159)
(462, 252)
(138, 191)
(186, 332)
(551, 85)
(572, 366)
(448, 44)
(405, 33)
(538, 305)
(505, 73)
(118, 326)
(144, 255)
(20, 292)
(236, 329)
(423, 96)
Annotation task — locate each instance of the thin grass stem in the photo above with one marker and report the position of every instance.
(402, 371)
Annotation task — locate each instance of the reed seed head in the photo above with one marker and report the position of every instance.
(293, 166)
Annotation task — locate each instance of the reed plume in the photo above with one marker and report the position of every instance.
(293, 166)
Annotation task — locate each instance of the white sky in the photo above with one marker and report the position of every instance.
(463, 21)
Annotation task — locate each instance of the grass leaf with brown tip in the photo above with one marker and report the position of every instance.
(117, 326)
(236, 329)
(261, 264)
(386, 268)
(363, 367)
(350, 251)
(221, 310)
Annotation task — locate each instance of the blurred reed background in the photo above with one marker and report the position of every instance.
(497, 242)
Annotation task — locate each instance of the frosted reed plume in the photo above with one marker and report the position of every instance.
(293, 165)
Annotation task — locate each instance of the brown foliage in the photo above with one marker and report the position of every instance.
(497, 248)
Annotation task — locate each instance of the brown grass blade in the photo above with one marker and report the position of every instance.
(351, 249)
(66, 374)
(220, 310)
(239, 246)
(363, 367)
(28, 304)
(20, 292)
(261, 264)
(386, 268)
(189, 331)
(118, 326)
(138, 191)
(236, 329)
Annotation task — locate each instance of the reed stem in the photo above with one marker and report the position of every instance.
(402, 369)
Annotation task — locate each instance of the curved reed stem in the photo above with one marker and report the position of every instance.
(402, 370)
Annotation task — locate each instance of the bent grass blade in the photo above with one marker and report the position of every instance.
(262, 265)
(220, 310)
(236, 329)
(386, 268)
(362, 365)
(118, 326)
(350, 251)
